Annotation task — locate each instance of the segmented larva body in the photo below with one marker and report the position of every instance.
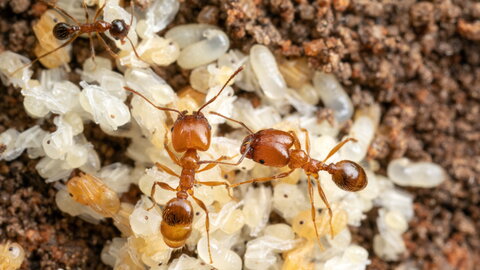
(91, 191)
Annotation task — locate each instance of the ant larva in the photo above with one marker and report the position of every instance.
(277, 148)
(118, 29)
(190, 133)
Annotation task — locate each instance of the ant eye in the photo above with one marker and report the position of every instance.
(171, 130)
(261, 161)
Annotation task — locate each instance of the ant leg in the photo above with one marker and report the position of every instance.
(264, 179)
(207, 223)
(54, 6)
(216, 183)
(314, 211)
(325, 201)
(337, 147)
(152, 193)
(48, 53)
(172, 156)
(296, 141)
(99, 11)
(166, 169)
(87, 17)
(233, 120)
(104, 43)
(307, 141)
(213, 163)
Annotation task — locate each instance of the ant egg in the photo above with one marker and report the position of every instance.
(11, 256)
(213, 45)
(333, 96)
(48, 42)
(403, 172)
(269, 77)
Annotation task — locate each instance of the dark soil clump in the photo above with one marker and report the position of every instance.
(418, 59)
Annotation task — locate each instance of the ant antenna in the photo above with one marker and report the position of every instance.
(233, 120)
(151, 103)
(219, 92)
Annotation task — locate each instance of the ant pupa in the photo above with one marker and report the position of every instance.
(190, 133)
(11, 256)
(117, 28)
(277, 148)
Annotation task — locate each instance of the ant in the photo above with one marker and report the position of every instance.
(190, 133)
(118, 29)
(273, 147)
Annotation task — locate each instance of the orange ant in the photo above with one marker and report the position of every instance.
(118, 29)
(190, 133)
(273, 147)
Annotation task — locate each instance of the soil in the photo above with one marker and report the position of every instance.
(418, 59)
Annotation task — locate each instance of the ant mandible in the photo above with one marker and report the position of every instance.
(190, 133)
(273, 147)
(118, 29)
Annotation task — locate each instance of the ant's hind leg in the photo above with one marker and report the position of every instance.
(166, 169)
(325, 201)
(264, 179)
(207, 222)
(313, 210)
(105, 45)
(307, 141)
(99, 11)
(337, 147)
(163, 186)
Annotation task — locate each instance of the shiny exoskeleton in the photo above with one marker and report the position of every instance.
(118, 29)
(277, 148)
(190, 133)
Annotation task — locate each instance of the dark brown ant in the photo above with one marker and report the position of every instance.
(118, 29)
(273, 147)
(190, 133)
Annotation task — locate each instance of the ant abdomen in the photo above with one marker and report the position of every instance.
(177, 220)
(62, 31)
(348, 175)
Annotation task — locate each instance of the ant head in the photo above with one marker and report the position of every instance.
(268, 147)
(177, 220)
(62, 31)
(348, 175)
(119, 29)
(191, 132)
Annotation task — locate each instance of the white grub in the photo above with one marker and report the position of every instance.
(11, 62)
(159, 14)
(53, 169)
(151, 85)
(403, 172)
(75, 121)
(354, 258)
(389, 243)
(111, 251)
(61, 98)
(145, 222)
(107, 110)
(7, 140)
(188, 263)
(188, 34)
(204, 77)
(258, 203)
(261, 252)
(288, 200)
(223, 258)
(93, 161)
(333, 96)
(158, 51)
(269, 77)
(214, 44)
(58, 143)
(363, 130)
(116, 176)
